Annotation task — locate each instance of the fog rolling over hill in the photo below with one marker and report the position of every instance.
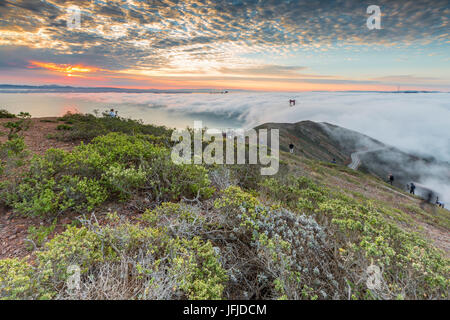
(325, 141)
(415, 123)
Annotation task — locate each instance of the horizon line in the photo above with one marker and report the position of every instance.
(62, 88)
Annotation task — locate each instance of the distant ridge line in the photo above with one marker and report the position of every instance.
(12, 88)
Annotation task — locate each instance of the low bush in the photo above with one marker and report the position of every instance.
(239, 248)
(65, 127)
(15, 127)
(13, 155)
(13, 152)
(364, 235)
(16, 280)
(116, 261)
(5, 114)
(37, 236)
(86, 127)
(111, 166)
(289, 254)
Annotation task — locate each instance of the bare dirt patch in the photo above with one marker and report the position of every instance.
(36, 136)
(13, 228)
(14, 232)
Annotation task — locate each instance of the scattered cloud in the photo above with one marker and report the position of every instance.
(245, 38)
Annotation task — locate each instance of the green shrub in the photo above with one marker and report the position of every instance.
(75, 246)
(6, 114)
(189, 265)
(202, 276)
(403, 255)
(19, 280)
(115, 165)
(13, 155)
(295, 192)
(169, 211)
(15, 279)
(20, 125)
(366, 234)
(39, 235)
(87, 126)
(289, 251)
(12, 147)
(64, 127)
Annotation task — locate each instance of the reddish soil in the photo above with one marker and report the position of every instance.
(14, 232)
(13, 228)
(36, 136)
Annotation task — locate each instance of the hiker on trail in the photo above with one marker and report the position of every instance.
(291, 148)
(412, 188)
(112, 114)
(291, 102)
(333, 161)
(391, 178)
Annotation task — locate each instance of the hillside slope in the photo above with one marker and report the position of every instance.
(142, 227)
(310, 140)
(324, 141)
(406, 208)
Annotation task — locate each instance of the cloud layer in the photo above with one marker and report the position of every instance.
(413, 122)
(176, 41)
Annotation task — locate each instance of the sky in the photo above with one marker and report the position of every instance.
(229, 44)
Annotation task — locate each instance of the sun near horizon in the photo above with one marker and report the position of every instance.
(281, 46)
